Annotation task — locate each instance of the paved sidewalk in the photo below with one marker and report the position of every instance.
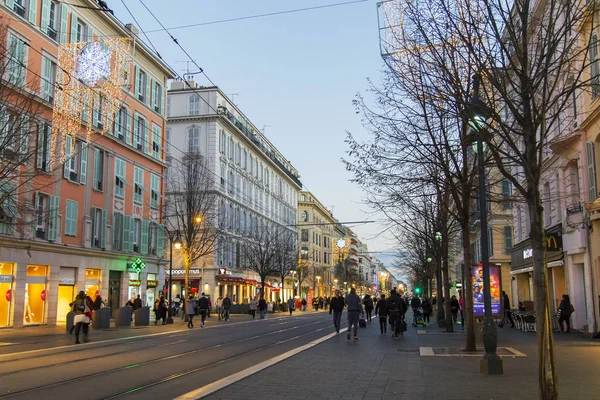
(379, 367)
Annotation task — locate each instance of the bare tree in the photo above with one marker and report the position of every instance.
(286, 259)
(191, 209)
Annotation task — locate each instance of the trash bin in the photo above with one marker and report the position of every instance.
(244, 308)
(235, 309)
(142, 316)
(123, 317)
(101, 318)
(284, 307)
(70, 318)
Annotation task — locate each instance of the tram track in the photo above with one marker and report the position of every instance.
(147, 362)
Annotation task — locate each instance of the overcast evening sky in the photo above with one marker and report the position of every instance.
(295, 73)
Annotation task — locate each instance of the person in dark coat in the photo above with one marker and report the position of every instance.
(203, 307)
(262, 307)
(454, 308)
(98, 303)
(336, 306)
(507, 312)
(303, 304)
(368, 303)
(565, 310)
(161, 311)
(427, 310)
(382, 311)
(82, 308)
(137, 303)
(226, 307)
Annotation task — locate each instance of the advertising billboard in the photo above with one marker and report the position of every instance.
(495, 292)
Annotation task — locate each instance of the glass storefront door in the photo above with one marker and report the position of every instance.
(6, 294)
(92, 282)
(114, 291)
(66, 294)
(35, 294)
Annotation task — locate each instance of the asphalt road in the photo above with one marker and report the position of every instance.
(155, 366)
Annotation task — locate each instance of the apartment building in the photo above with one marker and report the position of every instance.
(83, 212)
(255, 183)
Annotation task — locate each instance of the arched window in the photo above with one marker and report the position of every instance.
(304, 216)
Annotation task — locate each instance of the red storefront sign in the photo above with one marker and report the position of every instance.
(8, 295)
(43, 295)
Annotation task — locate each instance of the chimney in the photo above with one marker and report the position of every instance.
(177, 85)
(133, 29)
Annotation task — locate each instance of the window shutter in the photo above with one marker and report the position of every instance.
(147, 98)
(83, 165)
(24, 139)
(45, 89)
(146, 134)
(68, 155)
(53, 218)
(103, 230)
(10, 4)
(73, 28)
(153, 103)
(95, 110)
(136, 83)
(63, 24)
(161, 101)
(591, 170)
(40, 146)
(96, 167)
(507, 239)
(36, 199)
(136, 129)
(45, 22)
(117, 225)
(94, 222)
(160, 241)
(128, 126)
(33, 11)
(144, 245)
(90, 34)
(127, 233)
(71, 219)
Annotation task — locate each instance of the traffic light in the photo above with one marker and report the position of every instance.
(417, 290)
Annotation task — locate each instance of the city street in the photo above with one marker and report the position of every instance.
(166, 362)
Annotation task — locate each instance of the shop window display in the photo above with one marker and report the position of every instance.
(92, 282)
(6, 295)
(35, 294)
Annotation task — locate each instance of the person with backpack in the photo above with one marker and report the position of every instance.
(226, 307)
(395, 308)
(336, 306)
(382, 311)
(203, 307)
(368, 303)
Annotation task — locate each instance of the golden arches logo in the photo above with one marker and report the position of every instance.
(550, 241)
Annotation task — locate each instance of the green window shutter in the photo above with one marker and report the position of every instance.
(160, 241)
(84, 112)
(93, 225)
(45, 23)
(90, 34)
(71, 218)
(136, 83)
(40, 146)
(148, 99)
(24, 139)
(53, 218)
(136, 129)
(128, 127)
(68, 155)
(117, 231)
(590, 156)
(95, 110)
(161, 100)
(45, 89)
(127, 245)
(96, 167)
(103, 230)
(73, 28)
(146, 134)
(63, 24)
(83, 165)
(33, 11)
(144, 245)
(10, 4)
(153, 87)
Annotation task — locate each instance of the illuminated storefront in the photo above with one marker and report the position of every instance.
(66, 293)
(6, 279)
(134, 285)
(92, 282)
(151, 287)
(35, 294)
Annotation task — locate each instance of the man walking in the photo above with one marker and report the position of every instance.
(336, 306)
(382, 311)
(507, 313)
(226, 307)
(291, 305)
(203, 306)
(262, 307)
(219, 305)
(355, 310)
(395, 309)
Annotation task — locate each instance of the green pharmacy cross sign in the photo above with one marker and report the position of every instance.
(138, 265)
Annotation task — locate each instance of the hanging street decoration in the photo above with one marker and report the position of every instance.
(91, 81)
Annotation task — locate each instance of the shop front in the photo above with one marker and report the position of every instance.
(522, 269)
(240, 289)
(151, 288)
(6, 290)
(178, 281)
(93, 282)
(36, 287)
(66, 292)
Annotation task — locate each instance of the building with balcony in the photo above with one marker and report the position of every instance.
(78, 211)
(255, 184)
(316, 236)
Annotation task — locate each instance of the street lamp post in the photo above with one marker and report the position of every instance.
(438, 276)
(491, 363)
(173, 242)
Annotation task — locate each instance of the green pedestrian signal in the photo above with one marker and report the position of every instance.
(417, 290)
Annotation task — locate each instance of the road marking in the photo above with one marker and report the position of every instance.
(238, 376)
(427, 352)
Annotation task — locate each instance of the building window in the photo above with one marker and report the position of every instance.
(194, 104)
(137, 235)
(231, 148)
(8, 208)
(519, 226)
(507, 239)
(52, 20)
(506, 194)
(117, 226)
(594, 66)
(98, 228)
(305, 235)
(75, 167)
(43, 147)
(223, 175)
(98, 169)
(222, 141)
(82, 31)
(304, 216)
(304, 253)
(491, 242)
(138, 182)
(16, 66)
(141, 82)
(140, 133)
(231, 182)
(168, 141)
(120, 178)
(121, 124)
(156, 140)
(48, 79)
(71, 218)
(193, 134)
(157, 98)
(154, 190)
(168, 106)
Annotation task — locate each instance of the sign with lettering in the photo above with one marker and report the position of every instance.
(222, 271)
(182, 272)
(66, 281)
(152, 284)
(527, 253)
(134, 282)
(6, 278)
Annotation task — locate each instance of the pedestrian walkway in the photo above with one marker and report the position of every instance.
(379, 367)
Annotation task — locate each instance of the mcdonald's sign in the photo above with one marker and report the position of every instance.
(553, 241)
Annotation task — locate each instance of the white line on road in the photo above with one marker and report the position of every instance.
(238, 376)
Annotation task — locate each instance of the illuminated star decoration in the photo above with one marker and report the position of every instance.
(93, 63)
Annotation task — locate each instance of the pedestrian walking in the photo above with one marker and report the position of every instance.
(176, 305)
(395, 308)
(355, 310)
(461, 305)
(427, 310)
(565, 310)
(382, 310)
(336, 306)
(321, 303)
(219, 306)
(209, 305)
(161, 311)
(454, 308)
(98, 303)
(203, 307)
(137, 303)
(507, 312)
(315, 304)
(303, 304)
(253, 307)
(83, 312)
(262, 307)
(368, 303)
(226, 307)
(291, 305)
(415, 302)
(190, 306)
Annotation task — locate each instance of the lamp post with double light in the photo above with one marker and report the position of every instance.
(174, 242)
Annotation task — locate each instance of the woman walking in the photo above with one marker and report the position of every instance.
(565, 310)
(161, 311)
(291, 305)
(427, 310)
(190, 308)
(368, 303)
(253, 307)
(83, 311)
